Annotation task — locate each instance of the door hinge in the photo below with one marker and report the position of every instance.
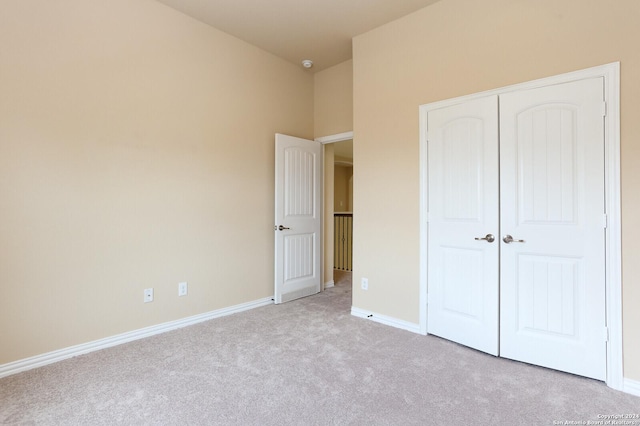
(604, 220)
(604, 109)
(606, 334)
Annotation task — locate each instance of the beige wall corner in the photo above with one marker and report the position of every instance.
(333, 114)
(458, 47)
(136, 151)
(333, 100)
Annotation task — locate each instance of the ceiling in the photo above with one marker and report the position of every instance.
(320, 30)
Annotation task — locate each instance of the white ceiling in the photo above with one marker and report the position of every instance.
(320, 30)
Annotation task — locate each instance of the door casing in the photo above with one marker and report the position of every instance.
(327, 234)
(613, 251)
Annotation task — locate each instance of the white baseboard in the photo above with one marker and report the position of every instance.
(383, 319)
(632, 387)
(84, 348)
(329, 284)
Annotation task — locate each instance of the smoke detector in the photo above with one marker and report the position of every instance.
(307, 63)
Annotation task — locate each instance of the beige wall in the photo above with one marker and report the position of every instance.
(136, 150)
(458, 47)
(342, 193)
(333, 100)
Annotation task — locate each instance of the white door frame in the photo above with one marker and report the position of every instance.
(613, 256)
(324, 140)
(339, 137)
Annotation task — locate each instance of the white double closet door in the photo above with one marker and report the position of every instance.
(516, 232)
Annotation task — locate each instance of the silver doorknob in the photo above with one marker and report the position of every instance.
(282, 228)
(488, 238)
(509, 239)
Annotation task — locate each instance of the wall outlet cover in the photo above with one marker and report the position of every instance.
(183, 288)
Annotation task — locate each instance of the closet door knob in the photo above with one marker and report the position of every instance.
(509, 239)
(488, 238)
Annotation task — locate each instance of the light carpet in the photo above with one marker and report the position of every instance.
(306, 362)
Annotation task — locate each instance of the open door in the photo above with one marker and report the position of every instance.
(298, 202)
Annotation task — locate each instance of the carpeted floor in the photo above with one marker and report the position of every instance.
(342, 278)
(306, 362)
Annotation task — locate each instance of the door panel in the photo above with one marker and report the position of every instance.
(297, 200)
(552, 197)
(298, 259)
(547, 160)
(548, 295)
(463, 205)
(299, 173)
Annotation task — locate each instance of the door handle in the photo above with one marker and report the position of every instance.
(509, 239)
(281, 228)
(488, 238)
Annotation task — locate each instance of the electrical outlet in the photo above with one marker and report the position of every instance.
(182, 289)
(364, 283)
(148, 295)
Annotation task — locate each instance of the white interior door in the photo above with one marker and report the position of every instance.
(298, 191)
(545, 272)
(463, 222)
(552, 197)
